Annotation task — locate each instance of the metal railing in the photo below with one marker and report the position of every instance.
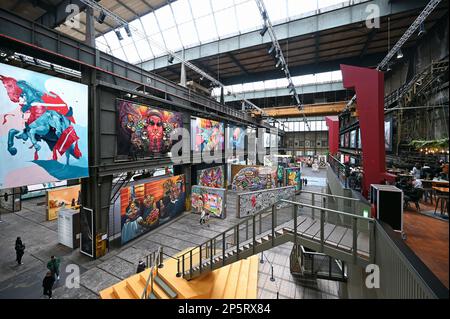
(349, 179)
(322, 266)
(246, 237)
(154, 261)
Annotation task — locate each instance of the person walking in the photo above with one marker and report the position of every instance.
(20, 250)
(207, 218)
(53, 266)
(141, 266)
(202, 217)
(47, 283)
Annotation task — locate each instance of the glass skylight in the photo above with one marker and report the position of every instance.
(187, 23)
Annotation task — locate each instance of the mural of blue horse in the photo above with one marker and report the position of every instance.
(45, 122)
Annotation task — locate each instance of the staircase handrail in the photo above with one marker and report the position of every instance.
(150, 278)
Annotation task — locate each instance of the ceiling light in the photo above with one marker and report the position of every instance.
(278, 63)
(170, 59)
(272, 48)
(263, 31)
(399, 54)
(119, 35)
(101, 17)
(422, 30)
(127, 30)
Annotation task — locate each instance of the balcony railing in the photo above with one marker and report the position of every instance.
(349, 178)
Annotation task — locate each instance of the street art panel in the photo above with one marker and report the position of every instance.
(253, 202)
(293, 177)
(208, 199)
(146, 206)
(236, 137)
(43, 128)
(246, 178)
(211, 177)
(207, 135)
(62, 198)
(145, 130)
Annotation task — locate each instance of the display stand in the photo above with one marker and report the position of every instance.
(69, 227)
(387, 201)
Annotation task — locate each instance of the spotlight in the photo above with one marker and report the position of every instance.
(422, 30)
(278, 63)
(127, 30)
(399, 54)
(264, 30)
(119, 35)
(101, 17)
(170, 59)
(272, 48)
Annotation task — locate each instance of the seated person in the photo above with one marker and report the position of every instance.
(416, 171)
(417, 183)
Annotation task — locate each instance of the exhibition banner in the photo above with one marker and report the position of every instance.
(211, 177)
(145, 130)
(245, 178)
(207, 135)
(236, 137)
(253, 202)
(87, 231)
(208, 199)
(43, 128)
(62, 198)
(145, 206)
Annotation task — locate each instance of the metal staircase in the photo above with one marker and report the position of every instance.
(344, 236)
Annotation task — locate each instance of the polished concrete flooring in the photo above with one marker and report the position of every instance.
(41, 240)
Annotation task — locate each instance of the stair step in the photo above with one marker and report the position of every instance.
(279, 232)
(241, 288)
(259, 241)
(220, 283)
(161, 283)
(135, 286)
(252, 284)
(152, 296)
(122, 291)
(232, 281)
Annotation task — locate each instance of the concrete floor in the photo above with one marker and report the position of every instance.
(41, 240)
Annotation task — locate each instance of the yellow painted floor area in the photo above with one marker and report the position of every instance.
(237, 280)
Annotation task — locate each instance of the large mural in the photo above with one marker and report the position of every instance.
(211, 177)
(253, 202)
(43, 128)
(208, 199)
(145, 130)
(144, 207)
(293, 177)
(252, 178)
(61, 198)
(207, 135)
(236, 137)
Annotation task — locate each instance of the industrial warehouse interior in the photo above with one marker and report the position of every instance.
(224, 149)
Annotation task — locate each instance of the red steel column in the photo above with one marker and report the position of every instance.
(333, 134)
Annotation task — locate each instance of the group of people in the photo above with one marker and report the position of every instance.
(428, 172)
(53, 264)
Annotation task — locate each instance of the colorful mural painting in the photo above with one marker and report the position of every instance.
(43, 128)
(253, 178)
(236, 137)
(253, 202)
(144, 207)
(208, 199)
(211, 177)
(293, 177)
(61, 198)
(207, 135)
(145, 130)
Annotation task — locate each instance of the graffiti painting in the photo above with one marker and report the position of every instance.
(43, 128)
(236, 137)
(144, 130)
(250, 203)
(254, 178)
(144, 207)
(207, 135)
(211, 177)
(208, 199)
(293, 177)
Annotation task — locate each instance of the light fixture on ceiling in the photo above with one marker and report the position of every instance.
(272, 48)
(118, 34)
(101, 17)
(170, 59)
(127, 30)
(422, 30)
(399, 54)
(264, 30)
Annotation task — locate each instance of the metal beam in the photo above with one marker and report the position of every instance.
(309, 110)
(341, 15)
(238, 64)
(302, 89)
(58, 15)
(370, 37)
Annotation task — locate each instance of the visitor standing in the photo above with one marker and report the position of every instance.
(416, 171)
(207, 218)
(202, 216)
(20, 250)
(47, 283)
(53, 266)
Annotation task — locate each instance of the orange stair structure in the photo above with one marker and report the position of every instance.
(237, 280)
